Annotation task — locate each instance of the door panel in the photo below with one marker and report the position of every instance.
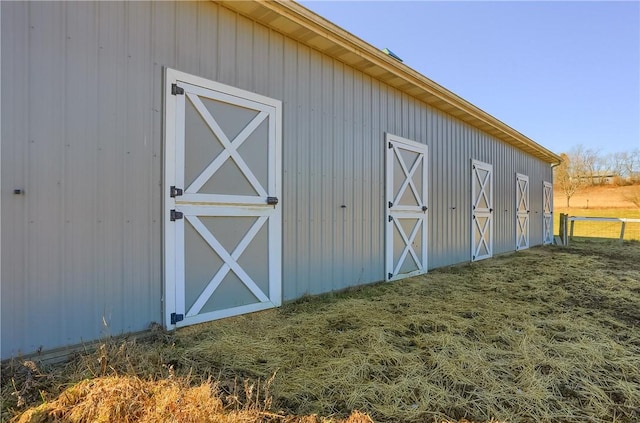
(406, 208)
(522, 212)
(547, 213)
(223, 222)
(481, 210)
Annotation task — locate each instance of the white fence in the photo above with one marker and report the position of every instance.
(598, 227)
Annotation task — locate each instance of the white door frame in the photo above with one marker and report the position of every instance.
(522, 212)
(190, 205)
(547, 212)
(394, 211)
(483, 212)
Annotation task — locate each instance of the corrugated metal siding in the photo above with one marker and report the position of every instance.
(82, 134)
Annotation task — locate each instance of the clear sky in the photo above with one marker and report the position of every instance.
(561, 73)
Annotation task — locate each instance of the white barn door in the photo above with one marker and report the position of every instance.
(406, 208)
(547, 213)
(222, 210)
(481, 210)
(522, 212)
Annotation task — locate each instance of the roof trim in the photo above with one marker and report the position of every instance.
(299, 23)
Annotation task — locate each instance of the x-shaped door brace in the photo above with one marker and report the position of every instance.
(547, 226)
(483, 229)
(523, 188)
(230, 148)
(522, 229)
(547, 200)
(408, 249)
(230, 263)
(409, 177)
(483, 189)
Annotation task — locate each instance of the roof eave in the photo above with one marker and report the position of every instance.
(297, 22)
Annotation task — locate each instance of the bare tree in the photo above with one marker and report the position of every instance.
(567, 175)
(591, 164)
(615, 164)
(631, 165)
(633, 196)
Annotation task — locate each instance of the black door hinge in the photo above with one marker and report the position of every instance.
(175, 192)
(175, 215)
(175, 318)
(272, 201)
(390, 275)
(390, 219)
(390, 145)
(175, 90)
(390, 204)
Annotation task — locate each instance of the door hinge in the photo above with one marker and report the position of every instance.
(390, 204)
(390, 219)
(390, 275)
(175, 89)
(390, 145)
(425, 208)
(175, 318)
(272, 201)
(176, 215)
(175, 192)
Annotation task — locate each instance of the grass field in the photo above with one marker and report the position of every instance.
(589, 229)
(600, 201)
(543, 335)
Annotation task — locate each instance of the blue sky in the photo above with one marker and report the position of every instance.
(561, 73)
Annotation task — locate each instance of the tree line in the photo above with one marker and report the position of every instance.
(582, 167)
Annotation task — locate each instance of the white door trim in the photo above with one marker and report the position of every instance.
(522, 212)
(486, 213)
(192, 204)
(394, 212)
(547, 212)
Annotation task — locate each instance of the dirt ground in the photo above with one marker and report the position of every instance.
(548, 334)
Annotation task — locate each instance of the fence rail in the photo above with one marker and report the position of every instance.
(567, 226)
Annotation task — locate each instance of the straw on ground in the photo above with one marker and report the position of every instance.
(547, 334)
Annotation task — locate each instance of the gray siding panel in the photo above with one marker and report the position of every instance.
(82, 134)
(15, 136)
(46, 156)
(80, 162)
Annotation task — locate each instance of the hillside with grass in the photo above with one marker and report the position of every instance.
(609, 201)
(599, 197)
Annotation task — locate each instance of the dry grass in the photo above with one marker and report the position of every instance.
(544, 335)
(131, 399)
(601, 196)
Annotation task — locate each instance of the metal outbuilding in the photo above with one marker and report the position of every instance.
(178, 162)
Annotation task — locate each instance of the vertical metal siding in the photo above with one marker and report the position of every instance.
(15, 38)
(82, 134)
(46, 157)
